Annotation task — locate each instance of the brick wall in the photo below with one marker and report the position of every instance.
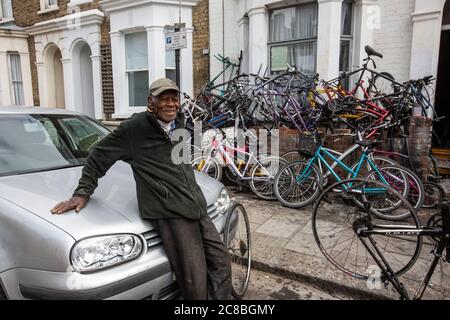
(420, 145)
(394, 38)
(26, 11)
(200, 19)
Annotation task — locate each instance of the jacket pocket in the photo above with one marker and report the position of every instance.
(162, 190)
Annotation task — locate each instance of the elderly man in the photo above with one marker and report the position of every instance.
(167, 194)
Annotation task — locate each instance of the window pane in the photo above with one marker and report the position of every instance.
(52, 2)
(16, 79)
(279, 58)
(346, 20)
(344, 58)
(136, 51)
(6, 9)
(294, 23)
(170, 59)
(138, 88)
(301, 55)
(171, 74)
(84, 134)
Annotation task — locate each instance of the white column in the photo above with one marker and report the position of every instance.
(156, 53)
(367, 20)
(328, 38)
(258, 37)
(243, 43)
(97, 81)
(425, 44)
(119, 78)
(40, 66)
(186, 65)
(26, 78)
(69, 97)
(5, 91)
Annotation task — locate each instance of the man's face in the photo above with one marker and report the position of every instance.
(166, 106)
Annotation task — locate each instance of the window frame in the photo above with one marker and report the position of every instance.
(271, 44)
(47, 7)
(348, 38)
(130, 71)
(13, 83)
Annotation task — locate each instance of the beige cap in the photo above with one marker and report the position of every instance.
(161, 85)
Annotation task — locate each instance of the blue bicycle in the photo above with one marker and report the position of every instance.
(300, 182)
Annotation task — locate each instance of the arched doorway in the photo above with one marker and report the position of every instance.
(54, 78)
(83, 79)
(442, 100)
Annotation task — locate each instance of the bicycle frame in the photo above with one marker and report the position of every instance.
(338, 161)
(443, 244)
(225, 154)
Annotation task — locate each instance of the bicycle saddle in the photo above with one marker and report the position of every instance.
(372, 52)
(368, 143)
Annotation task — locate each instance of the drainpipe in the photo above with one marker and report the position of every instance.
(223, 38)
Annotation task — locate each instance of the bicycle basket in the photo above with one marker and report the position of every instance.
(308, 144)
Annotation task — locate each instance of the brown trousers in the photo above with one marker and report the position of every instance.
(198, 257)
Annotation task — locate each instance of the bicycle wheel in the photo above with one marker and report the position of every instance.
(237, 239)
(262, 177)
(434, 193)
(208, 165)
(405, 182)
(336, 223)
(295, 186)
(382, 85)
(292, 156)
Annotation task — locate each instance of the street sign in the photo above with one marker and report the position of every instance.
(176, 40)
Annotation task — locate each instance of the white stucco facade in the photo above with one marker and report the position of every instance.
(150, 16)
(14, 41)
(63, 43)
(407, 32)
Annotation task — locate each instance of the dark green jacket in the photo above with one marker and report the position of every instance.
(164, 190)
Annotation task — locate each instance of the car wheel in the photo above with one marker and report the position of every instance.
(2, 294)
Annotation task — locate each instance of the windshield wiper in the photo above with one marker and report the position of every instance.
(14, 173)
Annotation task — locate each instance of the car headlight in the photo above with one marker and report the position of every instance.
(94, 254)
(224, 202)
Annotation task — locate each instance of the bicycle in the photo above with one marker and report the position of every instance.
(259, 173)
(238, 241)
(354, 240)
(298, 183)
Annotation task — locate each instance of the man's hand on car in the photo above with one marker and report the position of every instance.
(76, 203)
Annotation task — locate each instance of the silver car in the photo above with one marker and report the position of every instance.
(104, 252)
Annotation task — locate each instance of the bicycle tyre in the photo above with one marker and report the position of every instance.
(414, 189)
(335, 225)
(380, 85)
(286, 186)
(209, 167)
(263, 186)
(240, 249)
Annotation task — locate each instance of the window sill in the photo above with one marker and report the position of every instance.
(6, 20)
(78, 2)
(125, 114)
(49, 9)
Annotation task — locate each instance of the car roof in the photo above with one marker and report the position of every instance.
(34, 110)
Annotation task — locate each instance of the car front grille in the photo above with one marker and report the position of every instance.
(153, 239)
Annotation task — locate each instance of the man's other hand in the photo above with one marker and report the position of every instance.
(76, 203)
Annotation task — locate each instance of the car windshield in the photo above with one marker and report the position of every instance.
(40, 142)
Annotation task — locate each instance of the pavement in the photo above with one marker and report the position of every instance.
(283, 244)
